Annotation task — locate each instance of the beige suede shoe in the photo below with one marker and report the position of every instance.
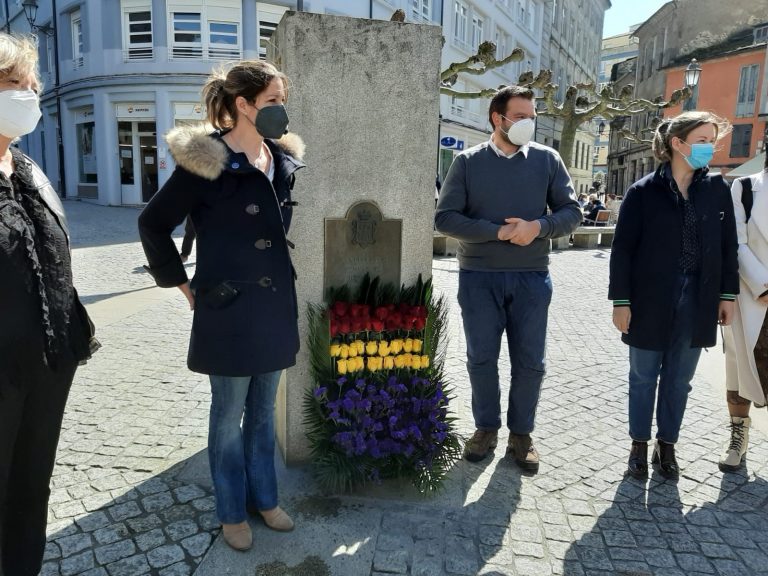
(277, 519)
(238, 536)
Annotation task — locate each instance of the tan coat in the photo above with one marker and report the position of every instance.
(741, 337)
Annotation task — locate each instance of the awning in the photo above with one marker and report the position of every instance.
(749, 167)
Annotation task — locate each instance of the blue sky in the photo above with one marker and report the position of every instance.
(625, 13)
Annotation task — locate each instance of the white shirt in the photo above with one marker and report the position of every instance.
(501, 154)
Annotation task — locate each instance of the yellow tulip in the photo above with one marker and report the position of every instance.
(408, 345)
(383, 348)
(389, 362)
(379, 363)
(352, 349)
(425, 361)
(417, 345)
(407, 360)
(396, 346)
(341, 366)
(335, 350)
(400, 361)
(371, 364)
(359, 363)
(371, 348)
(360, 347)
(344, 351)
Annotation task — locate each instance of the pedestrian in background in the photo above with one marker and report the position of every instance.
(746, 340)
(236, 186)
(44, 329)
(673, 278)
(494, 200)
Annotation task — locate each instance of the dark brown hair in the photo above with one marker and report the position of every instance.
(500, 99)
(247, 78)
(681, 126)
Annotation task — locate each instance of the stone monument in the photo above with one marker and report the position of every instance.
(364, 97)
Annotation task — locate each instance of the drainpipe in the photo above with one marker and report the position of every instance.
(60, 136)
(370, 9)
(7, 18)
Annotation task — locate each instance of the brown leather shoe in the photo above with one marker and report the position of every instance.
(521, 448)
(277, 519)
(238, 536)
(480, 445)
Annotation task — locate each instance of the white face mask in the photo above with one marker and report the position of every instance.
(19, 112)
(521, 132)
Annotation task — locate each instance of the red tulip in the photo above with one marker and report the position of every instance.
(344, 327)
(378, 325)
(381, 313)
(339, 308)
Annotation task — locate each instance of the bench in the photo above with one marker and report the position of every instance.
(591, 236)
(444, 245)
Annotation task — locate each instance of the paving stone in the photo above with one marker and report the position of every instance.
(528, 549)
(116, 551)
(93, 521)
(152, 539)
(198, 544)
(76, 564)
(188, 493)
(156, 502)
(178, 569)
(144, 523)
(204, 504)
(694, 563)
(181, 529)
(111, 533)
(165, 555)
(730, 568)
(52, 552)
(133, 566)
(124, 511)
(70, 545)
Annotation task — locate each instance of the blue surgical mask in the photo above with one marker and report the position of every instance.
(701, 155)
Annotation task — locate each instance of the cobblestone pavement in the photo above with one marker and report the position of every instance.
(123, 504)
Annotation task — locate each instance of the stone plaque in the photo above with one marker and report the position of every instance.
(362, 242)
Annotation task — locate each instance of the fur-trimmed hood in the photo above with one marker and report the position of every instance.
(198, 150)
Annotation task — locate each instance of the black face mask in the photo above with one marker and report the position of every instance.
(272, 121)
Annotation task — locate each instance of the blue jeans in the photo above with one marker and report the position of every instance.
(518, 302)
(243, 459)
(671, 369)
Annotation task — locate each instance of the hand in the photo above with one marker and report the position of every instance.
(524, 232)
(622, 315)
(506, 231)
(187, 291)
(725, 312)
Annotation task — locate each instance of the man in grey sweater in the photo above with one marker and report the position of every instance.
(494, 201)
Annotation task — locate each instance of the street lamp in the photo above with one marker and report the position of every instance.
(30, 11)
(692, 74)
(601, 128)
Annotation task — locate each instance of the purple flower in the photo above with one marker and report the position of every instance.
(321, 391)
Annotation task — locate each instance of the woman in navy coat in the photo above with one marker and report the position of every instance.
(674, 277)
(235, 183)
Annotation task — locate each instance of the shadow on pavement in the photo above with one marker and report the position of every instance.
(164, 524)
(647, 530)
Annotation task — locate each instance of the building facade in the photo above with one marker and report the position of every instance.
(571, 49)
(670, 36)
(130, 70)
(615, 49)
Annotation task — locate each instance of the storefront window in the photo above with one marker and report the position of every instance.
(86, 153)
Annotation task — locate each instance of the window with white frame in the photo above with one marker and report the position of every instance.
(198, 30)
(421, 10)
(269, 16)
(745, 105)
(137, 30)
(460, 21)
(77, 38)
(477, 30)
(500, 39)
(457, 104)
(761, 34)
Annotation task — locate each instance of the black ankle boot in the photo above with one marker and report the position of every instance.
(638, 460)
(664, 459)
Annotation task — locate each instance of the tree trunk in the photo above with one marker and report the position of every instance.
(568, 140)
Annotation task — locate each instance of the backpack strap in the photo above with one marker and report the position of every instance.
(747, 196)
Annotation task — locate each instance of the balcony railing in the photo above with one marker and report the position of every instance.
(462, 112)
(203, 54)
(139, 53)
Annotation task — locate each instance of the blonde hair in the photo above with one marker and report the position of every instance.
(681, 126)
(247, 78)
(18, 56)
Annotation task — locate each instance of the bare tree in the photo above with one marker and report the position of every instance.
(582, 102)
